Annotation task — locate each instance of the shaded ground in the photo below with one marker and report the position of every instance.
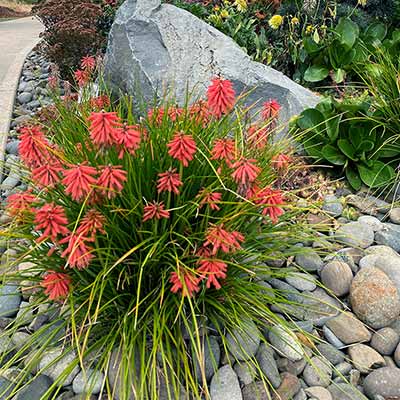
(12, 9)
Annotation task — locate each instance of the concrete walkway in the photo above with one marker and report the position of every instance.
(17, 38)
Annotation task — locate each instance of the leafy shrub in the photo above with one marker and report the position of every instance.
(157, 231)
(346, 135)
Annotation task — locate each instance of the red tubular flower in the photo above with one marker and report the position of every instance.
(78, 253)
(100, 102)
(210, 198)
(281, 162)
(111, 180)
(155, 210)
(53, 82)
(51, 219)
(184, 281)
(156, 115)
(47, 175)
(33, 146)
(182, 147)
(56, 285)
(270, 110)
(21, 203)
(220, 97)
(257, 137)
(245, 171)
(102, 127)
(82, 77)
(127, 138)
(270, 199)
(212, 270)
(200, 112)
(91, 223)
(79, 181)
(224, 149)
(169, 181)
(88, 63)
(174, 113)
(219, 238)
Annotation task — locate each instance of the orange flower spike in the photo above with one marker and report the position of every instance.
(245, 171)
(77, 253)
(270, 109)
(220, 97)
(128, 139)
(102, 127)
(281, 162)
(47, 175)
(33, 146)
(91, 223)
(169, 181)
(212, 270)
(111, 180)
(20, 203)
(184, 281)
(88, 63)
(51, 219)
(221, 239)
(56, 285)
(271, 200)
(182, 147)
(224, 149)
(79, 181)
(154, 210)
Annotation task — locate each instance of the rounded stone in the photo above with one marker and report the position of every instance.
(301, 281)
(225, 385)
(318, 372)
(319, 393)
(396, 355)
(394, 215)
(285, 343)
(384, 382)
(333, 355)
(332, 205)
(10, 300)
(372, 222)
(243, 343)
(337, 276)
(389, 235)
(309, 260)
(267, 363)
(365, 358)
(53, 364)
(385, 341)
(24, 97)
(345, 391)
(356, 234)
(89, 381)
(374, 298)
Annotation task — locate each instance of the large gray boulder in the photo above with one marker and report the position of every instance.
(156, 48)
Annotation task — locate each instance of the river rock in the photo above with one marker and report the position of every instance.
(365, 358)
(381, 250)
(301, 281)
(332, 205)
(372, 222)
(394, 215)
(333, 355)
(285, 343)
(390, 265)
(318, 372)
(389, 235)
(156, 47)
(225, 385)
(384, 382)
(385, 341)
(35, 389)
(345, 391)
(356, 234)
(212, 356)
(254, 391)
(309, 260)
(349, 329)
(374, 298)
(243, 343)
(319, 393)
(337, 276)
(267, 363)
(89, 381)
(10, 300)
(289, 387)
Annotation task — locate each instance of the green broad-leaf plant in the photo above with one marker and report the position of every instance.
(346, 136)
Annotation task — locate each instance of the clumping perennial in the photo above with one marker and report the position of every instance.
(220, 97)
(182, 147)
(245, 171)
(271, 200)
(212, 270)
(221, 239)
(102, 127)
(56, 285)
(111, 180)
(51, 219)
(184, 281)
(155, 210)
(79, 180)
(169, 181)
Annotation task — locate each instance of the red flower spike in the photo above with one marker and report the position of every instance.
(220, 97)
(21, 203)
(156, 115)
(174, 113)
(245, 171)
(281, 162)
(257, 137)
(79, 181)
(270, 110)
(47, 175)
(102, 127)
(155, 210)
(224, 149)
(212, 270)
(128, 139)
(221, 239)
(111, 180)
(56, 285)
(51, 219)
(182, 147)
(100, 102)
(33, 146)
(53, 82)
(270, 199)
(169, 181)
(82, 77)
(77, 253)
(200, 112)
(184, 281)
(88, 63)
(210, 198)
(91, 223)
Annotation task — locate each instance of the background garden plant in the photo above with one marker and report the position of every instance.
(154, 233)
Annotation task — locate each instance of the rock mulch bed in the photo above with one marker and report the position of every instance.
(356, 315)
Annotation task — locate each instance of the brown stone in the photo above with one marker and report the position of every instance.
(289, 387)
(365, 358)
(256, 390)
(349, 329)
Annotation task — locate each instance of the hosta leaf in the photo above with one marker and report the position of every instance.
(315, 73)
(348, 32)
(347, 149)
(333, 155)
(377, 175)
(353, 178)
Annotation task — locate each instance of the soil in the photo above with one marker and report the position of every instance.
(6, 12)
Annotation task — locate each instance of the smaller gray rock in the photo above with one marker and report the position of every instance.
(394, 215)
(225, 385)
(35, 389)
(285, 343)
(381, 250)
(245, 372)
(332, 205)
(243, 343)
(211, 359)
(332, 338)
(365, 358)
(372, 222)
(254, 391)
(267, 363)
(310, 260)
(301, 281)
(356, 234)
(369, 260)
(319, 393)
(89, 381)
(12, 147)
(385, 341)
(345, 391)
(318, 372)
(24, 97)
(396, 355)
(333, 355)
(384, 382)
(10, 300)
(337, 276)
(389, 235)
(342, 369)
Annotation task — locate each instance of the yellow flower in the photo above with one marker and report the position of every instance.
(362, 3)
(309, 29)
(217, 8)
(295, 21)
(224, 14)
(275, 21)
(241, 5)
